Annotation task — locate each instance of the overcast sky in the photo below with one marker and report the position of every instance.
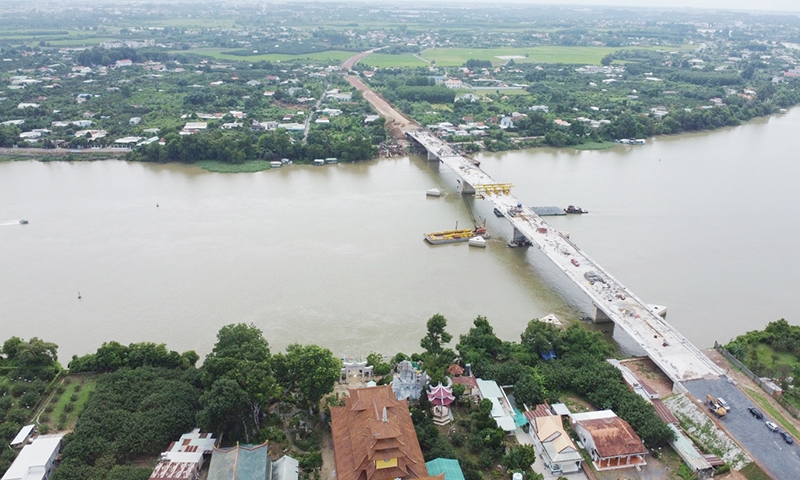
(775, 5)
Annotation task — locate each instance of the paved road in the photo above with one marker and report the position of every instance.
(778, 458)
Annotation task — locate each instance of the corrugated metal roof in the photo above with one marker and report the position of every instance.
(448, 467)
(489, 389)
(613, 436)
(687, 451)
(23, 435)
(243, 462)
(285, 468)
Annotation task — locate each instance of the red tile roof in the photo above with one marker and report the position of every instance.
(374, 426)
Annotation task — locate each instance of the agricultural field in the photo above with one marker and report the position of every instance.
(385, 60)
(222, 54)
(447, 57)
(60, 411)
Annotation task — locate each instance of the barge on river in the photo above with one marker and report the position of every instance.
(455, 236)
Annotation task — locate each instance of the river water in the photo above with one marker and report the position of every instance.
(704, 224)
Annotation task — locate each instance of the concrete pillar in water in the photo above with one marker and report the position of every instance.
(432, 157)
(466, 188)
(600, 316)
(517, 236)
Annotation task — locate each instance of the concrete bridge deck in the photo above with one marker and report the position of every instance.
(672, 352)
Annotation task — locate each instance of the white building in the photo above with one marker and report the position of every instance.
(37, 460)
(23, 436)
(502, 411)
(184, 458)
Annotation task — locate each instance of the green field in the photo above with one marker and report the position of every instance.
(80, 41)
(449, 57)
(385, 60)
(61, 417)
(595, 146)
(194, 22)
(220, 54)
(249, 166)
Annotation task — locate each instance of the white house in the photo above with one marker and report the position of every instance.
(37, 460)
(558, 453)
(501, 408)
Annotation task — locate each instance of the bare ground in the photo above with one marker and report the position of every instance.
(648, 372)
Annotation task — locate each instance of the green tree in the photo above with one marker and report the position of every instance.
(437, 336)
(308, 371)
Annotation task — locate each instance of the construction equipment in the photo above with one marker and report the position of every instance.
(715, 407)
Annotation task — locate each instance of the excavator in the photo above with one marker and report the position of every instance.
(715, 407)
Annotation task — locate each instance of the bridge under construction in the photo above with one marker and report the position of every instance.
(680, 360)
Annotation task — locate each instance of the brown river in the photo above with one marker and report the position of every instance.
(706, 224)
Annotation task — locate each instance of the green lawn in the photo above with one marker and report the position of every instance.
(595, 146)
(550, 54)
(79, 41)
(751, 471)
(247, 167)
(220, 54)
(385, 60)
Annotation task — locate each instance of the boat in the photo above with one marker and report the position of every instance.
(574, 209)
(433, 192)
(478, 241)
(522, 242)
(23, 222)
(454, 236)
(498, 213)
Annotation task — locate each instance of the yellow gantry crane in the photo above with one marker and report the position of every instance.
(493, 188)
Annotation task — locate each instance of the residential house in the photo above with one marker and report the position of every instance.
(506, 122)
(193, 127)
(557, 451)
(135, 120)
(184, 458)
(502, 411)
(36, 460)
(610, 440)
(374, 438)
(124, 63)
(453, 83)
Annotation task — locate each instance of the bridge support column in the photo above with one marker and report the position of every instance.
(600, 316)
(465, 188)
(517, 236)
(432, 157)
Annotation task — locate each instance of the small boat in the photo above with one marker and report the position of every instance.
(574, 209)
(478, 241)
(454, 236)
(23, 222)
(519, 243)
(498, 213)
(575, 262)
(433, 192)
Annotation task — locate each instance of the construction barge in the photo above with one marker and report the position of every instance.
(455, 236)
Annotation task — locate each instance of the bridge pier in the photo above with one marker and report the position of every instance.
(465, 188)
(600, 316)
(432, 157)
(518, 236)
